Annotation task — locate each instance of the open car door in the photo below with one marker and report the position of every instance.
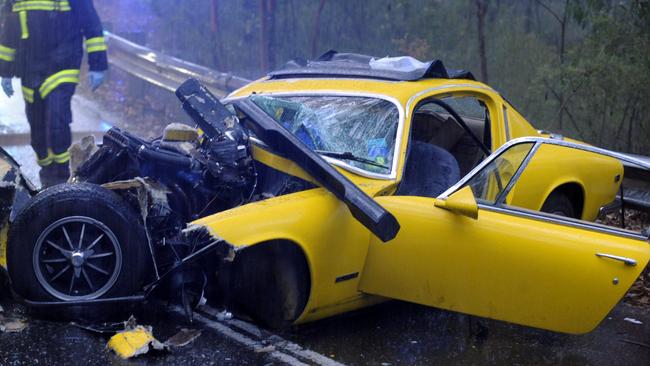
(472, 251)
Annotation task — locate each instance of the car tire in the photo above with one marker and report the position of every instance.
(5, 290)
(560, 204)
(77, 242)
(271, 285)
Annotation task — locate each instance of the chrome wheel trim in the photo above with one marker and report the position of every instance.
(73, 260)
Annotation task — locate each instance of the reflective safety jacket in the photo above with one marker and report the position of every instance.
(41, 42)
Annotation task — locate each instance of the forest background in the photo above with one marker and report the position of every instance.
(576, 67)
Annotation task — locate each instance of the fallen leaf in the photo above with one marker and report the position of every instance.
(183, 337)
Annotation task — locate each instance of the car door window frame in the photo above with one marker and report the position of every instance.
(456, 116)
(501, 207)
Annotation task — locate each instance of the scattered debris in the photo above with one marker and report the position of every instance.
(183, 337)
(265, 349)
(220, 315)
(11, 325)
(633, 321)
(103, 328)
(81, 151)
(134, 340)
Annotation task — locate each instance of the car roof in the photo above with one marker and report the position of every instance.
(335, 64)
(401, 91)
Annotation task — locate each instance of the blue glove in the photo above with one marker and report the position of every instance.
(95, 79)
(7, 87)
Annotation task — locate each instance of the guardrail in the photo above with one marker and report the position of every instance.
(166, 71)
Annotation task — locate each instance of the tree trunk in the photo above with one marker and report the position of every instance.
(316, 31)
(563, 24)
(264, 40)
(217, 50)
(270, 54)
(481, 7)
(528, 23)
(214, 25)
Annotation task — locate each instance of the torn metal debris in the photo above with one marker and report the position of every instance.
(15, 192)
(11, 324)
(183, 337)
(134, 341)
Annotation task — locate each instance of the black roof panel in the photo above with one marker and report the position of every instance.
(353, 65)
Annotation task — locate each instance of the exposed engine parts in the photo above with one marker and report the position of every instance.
(203, 173)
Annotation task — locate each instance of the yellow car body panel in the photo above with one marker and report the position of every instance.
(440, 258)
(334, 243)
(506, 124)
(4, 230)
(544, 174)
(501, 266)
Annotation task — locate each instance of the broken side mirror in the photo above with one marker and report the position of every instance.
(461, 202)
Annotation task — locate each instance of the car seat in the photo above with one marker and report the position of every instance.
(430, 170)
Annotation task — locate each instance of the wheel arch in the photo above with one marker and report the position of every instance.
(575, 191)
(279, 255)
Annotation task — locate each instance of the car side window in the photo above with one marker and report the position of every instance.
(562, 182)
(489, 184)
(434, 125)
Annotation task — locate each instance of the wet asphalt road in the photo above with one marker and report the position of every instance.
(393, 333)
(60, 343)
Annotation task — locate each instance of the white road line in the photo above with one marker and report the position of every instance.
(247, 327)
(242, 325)
(246, 341)
(270, 339)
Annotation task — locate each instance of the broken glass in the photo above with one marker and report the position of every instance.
(363, 128)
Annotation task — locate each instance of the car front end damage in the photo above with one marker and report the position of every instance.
(170, 182)
(15, 191)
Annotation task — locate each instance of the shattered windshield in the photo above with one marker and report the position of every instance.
(360, 131)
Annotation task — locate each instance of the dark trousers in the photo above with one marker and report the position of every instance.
(49, 120)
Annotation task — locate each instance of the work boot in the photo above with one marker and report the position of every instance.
(54, 174)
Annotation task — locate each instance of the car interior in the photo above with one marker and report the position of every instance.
(441, 151)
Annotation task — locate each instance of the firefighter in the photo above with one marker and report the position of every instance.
(41, 42)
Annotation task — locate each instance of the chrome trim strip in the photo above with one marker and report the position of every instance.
(628, 261)
(540, 216)
(501, 198)
(565, 221)
(398, 138)
(504, 110)
(622, 157)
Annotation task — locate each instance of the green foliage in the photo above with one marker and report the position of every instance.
(606, 83)
(579, 67)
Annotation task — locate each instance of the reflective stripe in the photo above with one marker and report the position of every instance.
(46, 161)
(46, 5)
(7, 54)
(51, 157)
(61, 158)
(24, 30)
(96, 44)
(28, 94)
(65, 76)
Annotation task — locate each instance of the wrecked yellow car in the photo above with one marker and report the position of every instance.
(333, 185)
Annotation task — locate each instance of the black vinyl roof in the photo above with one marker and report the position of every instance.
(353, 65)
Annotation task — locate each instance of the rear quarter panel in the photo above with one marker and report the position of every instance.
(553, 166)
